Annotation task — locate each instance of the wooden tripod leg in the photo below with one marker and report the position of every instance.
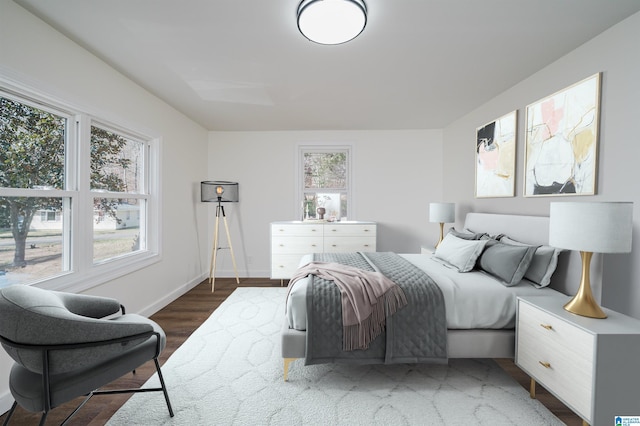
(214, 255)
(233, 258)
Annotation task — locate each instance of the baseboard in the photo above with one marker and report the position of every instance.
(6, 401)
(164, 301)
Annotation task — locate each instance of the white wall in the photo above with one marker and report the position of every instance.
(37, 55)
(396, 174)
(614, 53)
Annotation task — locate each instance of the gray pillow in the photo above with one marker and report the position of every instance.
(467, 234)
(460, 253)
(543, 264)
(506, 262)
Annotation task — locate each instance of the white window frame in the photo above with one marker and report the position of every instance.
(303, 148)
(77, 219)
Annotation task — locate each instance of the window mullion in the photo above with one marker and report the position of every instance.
(83, 208)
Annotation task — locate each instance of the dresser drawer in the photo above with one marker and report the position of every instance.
(351, 230)
(557, 354)
(283, 266)
(338, 244)
(291, 245)
(299, 230)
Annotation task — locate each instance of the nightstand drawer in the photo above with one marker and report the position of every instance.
(291, 245)
(557, 354)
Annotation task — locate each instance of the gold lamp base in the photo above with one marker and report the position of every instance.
(441, 234)
(583, 302)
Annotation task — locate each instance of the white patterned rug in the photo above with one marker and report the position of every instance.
(229, 372)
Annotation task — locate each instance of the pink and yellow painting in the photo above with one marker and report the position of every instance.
(561, 141)
(495, 157)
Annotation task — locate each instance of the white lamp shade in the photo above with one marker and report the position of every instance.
(442, 212)
(597, 227)
(331, 21)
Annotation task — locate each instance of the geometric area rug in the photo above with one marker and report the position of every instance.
(229, 372)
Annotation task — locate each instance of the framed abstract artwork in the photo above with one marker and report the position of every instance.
(496, 157)
(561, 141)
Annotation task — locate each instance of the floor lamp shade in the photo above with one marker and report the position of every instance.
(590, 227)
(222, 191)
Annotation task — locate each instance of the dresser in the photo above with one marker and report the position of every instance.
(592, 365)
(292, 240)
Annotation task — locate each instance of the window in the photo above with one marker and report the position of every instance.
(324, 175)
(117, 182)
(63, 173)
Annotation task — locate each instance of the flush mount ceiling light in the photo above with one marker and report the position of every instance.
(331, 21)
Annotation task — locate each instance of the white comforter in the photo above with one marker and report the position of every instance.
(472, 299)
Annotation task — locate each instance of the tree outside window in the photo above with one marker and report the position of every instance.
(325, 183)
(41, 188)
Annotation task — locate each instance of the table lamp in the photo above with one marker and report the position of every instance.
(442, 213)
(590, 227)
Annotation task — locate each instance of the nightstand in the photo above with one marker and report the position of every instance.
(592, 365)
(427, 249)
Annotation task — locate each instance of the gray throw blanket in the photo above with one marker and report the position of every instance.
(367, 299)
(415, 334)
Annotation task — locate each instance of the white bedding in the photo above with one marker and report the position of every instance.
(472, 299)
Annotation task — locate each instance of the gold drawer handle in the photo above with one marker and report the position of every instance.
(366, 230)
(545, 364)
(313, 245)
(334, 245)
(366, 245)
(546, 326)
(334, 230)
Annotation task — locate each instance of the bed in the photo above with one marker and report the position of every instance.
(473, 331)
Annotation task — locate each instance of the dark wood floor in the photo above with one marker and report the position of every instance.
(179, 319)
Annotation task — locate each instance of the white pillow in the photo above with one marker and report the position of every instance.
(460, 253)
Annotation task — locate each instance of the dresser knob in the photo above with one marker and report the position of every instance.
(545, 364)
(366, 230)
(366, 245)
(546, 326)
(333, 245)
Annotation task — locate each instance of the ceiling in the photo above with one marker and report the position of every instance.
(242, 64)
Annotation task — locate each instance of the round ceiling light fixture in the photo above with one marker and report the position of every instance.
(331, 21)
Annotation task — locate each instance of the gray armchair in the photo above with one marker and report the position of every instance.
(64, 347)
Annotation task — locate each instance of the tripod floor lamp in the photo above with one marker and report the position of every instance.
(220, 192)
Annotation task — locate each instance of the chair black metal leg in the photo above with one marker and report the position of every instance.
(13, 408)
(43, 418)
(164, 388)
(84, 401)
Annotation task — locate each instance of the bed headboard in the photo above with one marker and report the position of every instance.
(535, 230)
